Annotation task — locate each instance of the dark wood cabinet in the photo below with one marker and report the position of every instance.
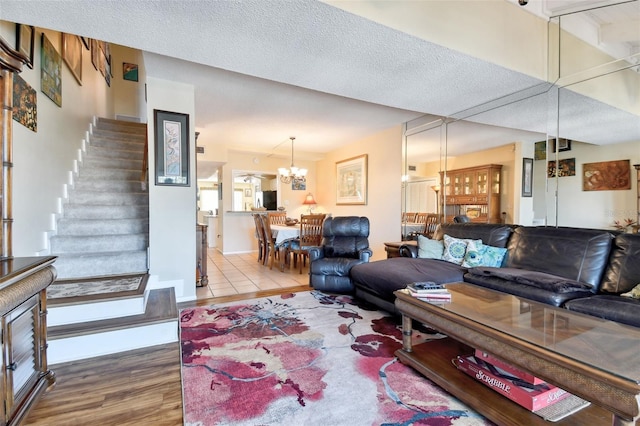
(474, 192)
(23, 312)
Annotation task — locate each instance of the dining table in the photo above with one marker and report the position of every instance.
(281, 234)
(409, 228)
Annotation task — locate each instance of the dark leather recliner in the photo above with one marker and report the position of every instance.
(345, 243)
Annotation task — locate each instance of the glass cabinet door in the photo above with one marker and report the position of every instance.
(482, 178)
(457, 184)
(495, 184)
(468, 183)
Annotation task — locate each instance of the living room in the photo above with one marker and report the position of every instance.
(384, 149)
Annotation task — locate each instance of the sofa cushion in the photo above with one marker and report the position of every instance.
(383, 277)
(623, 270)
(624, 310)
(429, 249)
(541, 288)
(573, 253)
(491, 234)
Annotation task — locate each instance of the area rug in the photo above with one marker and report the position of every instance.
(305, 359)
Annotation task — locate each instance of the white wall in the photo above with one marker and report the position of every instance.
(44, 159)
(172, 209)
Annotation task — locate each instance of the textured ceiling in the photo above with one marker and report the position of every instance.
(264, 70)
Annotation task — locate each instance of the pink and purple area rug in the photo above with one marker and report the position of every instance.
(305, 359)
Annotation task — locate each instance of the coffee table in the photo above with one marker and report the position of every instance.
(595, 359)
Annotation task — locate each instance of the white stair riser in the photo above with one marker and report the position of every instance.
(94, 311)
(89, 346)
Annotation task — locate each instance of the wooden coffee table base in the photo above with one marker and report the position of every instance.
(434, 360)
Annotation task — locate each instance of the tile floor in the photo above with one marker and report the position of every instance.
(242, 273)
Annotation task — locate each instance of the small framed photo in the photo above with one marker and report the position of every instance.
(171, 148)
(129, 71)
(527, 177)
(247, 192)
(351, 181)
(25, 36)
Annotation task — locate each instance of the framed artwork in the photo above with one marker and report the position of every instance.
(527, 177)
(540, 150)
(563, 144)
(606, 176)
(25, 37)
(25, 109)
(50, 71)
(171, 148)
(72, 55)
(566, 167)
(299, 184)
(351, 181)
(95, 53)
(129, 71)
(247, 192)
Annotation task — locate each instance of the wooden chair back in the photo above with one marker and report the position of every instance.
(310, 236)
(409, 217)
(421, 217)
(262, 243)
(270, 242)
(431, 223)
(277, 218)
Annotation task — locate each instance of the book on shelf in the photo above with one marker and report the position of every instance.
(532, 397)
(529, 378)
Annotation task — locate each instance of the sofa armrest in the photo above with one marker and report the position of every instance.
(408, 250)
(365, 254)
(315, 253)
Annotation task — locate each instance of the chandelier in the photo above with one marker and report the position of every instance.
(287, 175)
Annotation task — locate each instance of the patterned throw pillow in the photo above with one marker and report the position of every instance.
(482, 255)
(455, 249)
(429, 249)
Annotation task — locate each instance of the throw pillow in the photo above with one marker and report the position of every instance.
(429, 249)
(455, 249)
(634, 292)
(483, 255)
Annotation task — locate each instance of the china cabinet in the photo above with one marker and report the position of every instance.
(474, 192)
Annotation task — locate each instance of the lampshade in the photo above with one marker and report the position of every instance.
(309, 199)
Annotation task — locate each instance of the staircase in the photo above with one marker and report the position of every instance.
(101, 239)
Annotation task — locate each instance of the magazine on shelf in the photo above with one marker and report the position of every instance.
(532, 397)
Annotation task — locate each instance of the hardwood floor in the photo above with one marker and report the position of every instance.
(140, 387)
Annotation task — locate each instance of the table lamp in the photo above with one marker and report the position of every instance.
(309, 201)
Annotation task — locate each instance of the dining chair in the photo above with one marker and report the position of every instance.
(310, 236)
(271, 251)
(262, 248)
(277, 218)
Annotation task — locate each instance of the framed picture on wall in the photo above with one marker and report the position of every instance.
(25, 37)
(527, 177)
(172, 148)
(351, 181)
(72, 55)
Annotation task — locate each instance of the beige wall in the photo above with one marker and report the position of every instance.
(384, 151)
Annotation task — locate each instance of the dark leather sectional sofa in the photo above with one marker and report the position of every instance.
(584, 270)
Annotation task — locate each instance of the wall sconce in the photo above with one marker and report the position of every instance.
(309, 201)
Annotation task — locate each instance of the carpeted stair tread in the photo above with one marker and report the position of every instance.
(161, 307)
(99, 243)
(102, 226)
(87, 211)
(79, 265)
